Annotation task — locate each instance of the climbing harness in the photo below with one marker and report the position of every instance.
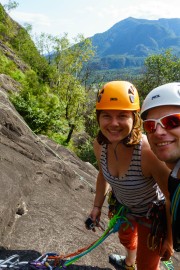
(113, 204)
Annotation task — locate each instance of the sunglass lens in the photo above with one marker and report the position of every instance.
(149, 126)
(171, 121)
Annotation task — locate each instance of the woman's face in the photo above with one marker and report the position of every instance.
(115, 124)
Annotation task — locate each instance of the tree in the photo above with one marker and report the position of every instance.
(11, 5)
(68, 59)
(44, 43)
(158, 69)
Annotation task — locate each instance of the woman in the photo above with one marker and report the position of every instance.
(127, 164)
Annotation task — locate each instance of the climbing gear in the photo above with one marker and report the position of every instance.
(169, 264)
(174, 190)
(45, 261)
(118, 95)
(157, 213)
(89, 224)
(113, 227)
(120, 262)
(12, 262)
(113, 204)
(167, 94)
(167, 122)
(51, 261)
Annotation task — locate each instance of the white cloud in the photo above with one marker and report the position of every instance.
(32, 18)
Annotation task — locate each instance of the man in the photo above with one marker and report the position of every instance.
(161, 121)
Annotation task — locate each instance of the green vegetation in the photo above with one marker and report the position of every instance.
(58, 90)
(157, 70)
(54, 93)
(11, 5)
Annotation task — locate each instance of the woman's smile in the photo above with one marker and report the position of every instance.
(116, 125)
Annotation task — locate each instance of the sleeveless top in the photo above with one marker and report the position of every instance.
(133, 190)
(174, 191)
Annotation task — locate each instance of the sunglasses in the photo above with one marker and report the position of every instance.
(167, 122)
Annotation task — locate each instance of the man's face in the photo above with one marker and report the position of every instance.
(165, 143)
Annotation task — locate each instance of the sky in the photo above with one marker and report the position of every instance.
(87, 17)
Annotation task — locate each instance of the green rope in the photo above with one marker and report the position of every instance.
(169, 264)
(113, 226)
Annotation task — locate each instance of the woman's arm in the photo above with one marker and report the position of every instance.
(101, 186)
(101, 190)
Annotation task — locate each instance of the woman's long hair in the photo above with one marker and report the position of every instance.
(133, 138)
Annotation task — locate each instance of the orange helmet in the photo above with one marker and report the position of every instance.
(118, 95)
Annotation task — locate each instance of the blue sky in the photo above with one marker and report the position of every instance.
(85, 17)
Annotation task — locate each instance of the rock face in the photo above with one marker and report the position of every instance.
(46, 195)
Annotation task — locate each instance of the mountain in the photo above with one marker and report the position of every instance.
(130, 41)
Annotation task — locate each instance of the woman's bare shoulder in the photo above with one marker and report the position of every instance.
(145, 144)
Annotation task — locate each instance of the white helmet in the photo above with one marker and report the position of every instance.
(167, 94)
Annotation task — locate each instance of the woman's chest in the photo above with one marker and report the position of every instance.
(119, 161)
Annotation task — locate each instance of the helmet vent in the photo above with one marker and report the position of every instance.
(131, 94)
(100, 95)
(113, 99)
(131, 91)
(131, 98)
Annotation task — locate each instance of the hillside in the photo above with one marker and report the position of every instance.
(130, 41)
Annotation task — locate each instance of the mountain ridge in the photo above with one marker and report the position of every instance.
(139, 38)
